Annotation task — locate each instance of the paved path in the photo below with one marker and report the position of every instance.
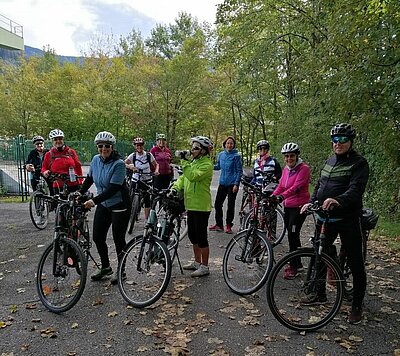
(196, 316)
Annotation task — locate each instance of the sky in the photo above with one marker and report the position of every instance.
(67, 26)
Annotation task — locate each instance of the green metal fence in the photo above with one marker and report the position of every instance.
(13, 153)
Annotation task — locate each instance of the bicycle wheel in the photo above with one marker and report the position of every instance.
(276, 228)
(134, 212)
(61, 275)
(247, 261)
(39, 210)
(307, 302)
(144, 271)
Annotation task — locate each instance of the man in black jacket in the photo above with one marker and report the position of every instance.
(34, 161)
(340, 188)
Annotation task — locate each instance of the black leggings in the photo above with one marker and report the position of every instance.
(222, 192)
(197, 227)
(294, 221)
(104, 217)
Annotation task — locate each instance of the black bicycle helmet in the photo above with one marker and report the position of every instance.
(263, 143)
(343, 129)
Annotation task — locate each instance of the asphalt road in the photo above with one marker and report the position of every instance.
(195, 316)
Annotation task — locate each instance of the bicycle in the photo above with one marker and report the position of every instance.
(145, 267)
(248, 257)
(288, 298)
(41, 203)
(38, 207)
(270, 214)
(137, 198)
(171, 222)
(62, 270)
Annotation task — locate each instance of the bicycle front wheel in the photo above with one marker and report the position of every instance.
(144, 271)
(39, 210)
(247, 261)
(308, 301)
(274, 224)
(61, 275)
(134, 212)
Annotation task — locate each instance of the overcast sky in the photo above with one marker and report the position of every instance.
(66, 25)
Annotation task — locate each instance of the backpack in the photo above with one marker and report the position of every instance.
(152, 168)
(53, 157)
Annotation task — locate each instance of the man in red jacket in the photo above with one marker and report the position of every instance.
(62, 160)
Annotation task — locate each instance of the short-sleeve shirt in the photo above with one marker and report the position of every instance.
(141, 162)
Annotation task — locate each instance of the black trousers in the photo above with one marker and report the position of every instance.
(293, 222)
(350, 234)
(118, 217)
(222, 192)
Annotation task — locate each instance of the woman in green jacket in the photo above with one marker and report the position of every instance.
(195, 182)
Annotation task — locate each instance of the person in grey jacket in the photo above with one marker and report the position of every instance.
(230, 164)
(107, 171)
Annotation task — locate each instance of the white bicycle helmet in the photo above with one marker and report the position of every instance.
(290, 147)
(105, 136)
(37, 139)
(138, 141)
(55, 133)
(204, 142)
(160, 136)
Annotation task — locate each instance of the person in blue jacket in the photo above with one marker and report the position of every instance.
(230, 164)
(107, 171)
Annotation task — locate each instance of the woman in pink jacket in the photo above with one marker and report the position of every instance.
(293, 191)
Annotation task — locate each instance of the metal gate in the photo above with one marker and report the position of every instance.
(13, 176)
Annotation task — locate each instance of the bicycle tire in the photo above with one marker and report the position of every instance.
(280, 227)
(145, 285)
(286, 296)
(61, 290)
(134, 213)
(39, 210)
(246, 267)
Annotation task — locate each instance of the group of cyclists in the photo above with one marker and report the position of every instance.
(340, 188)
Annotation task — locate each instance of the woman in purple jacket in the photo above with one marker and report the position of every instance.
(293, 191)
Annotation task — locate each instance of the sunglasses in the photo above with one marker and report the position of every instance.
(340, 139)
(105, 146)
(58, 138)
(139, 144)
(263, 148)
(196, 148)
(289, 155)
(39, 144)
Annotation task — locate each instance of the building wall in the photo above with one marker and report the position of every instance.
(10, 40)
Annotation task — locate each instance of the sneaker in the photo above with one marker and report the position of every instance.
(114, 279)
(314, 299)
(228, 229)
(201, 271)
(216, 228)
(355, 316)
(103, 272)
(290, 273)
(191, 266)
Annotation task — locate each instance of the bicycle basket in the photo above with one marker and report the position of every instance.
(369, 219)
(247, 175)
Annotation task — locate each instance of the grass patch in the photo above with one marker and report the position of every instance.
(10, 199)
(389, 229)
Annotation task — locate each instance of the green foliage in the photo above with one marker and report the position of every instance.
(284, 70)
